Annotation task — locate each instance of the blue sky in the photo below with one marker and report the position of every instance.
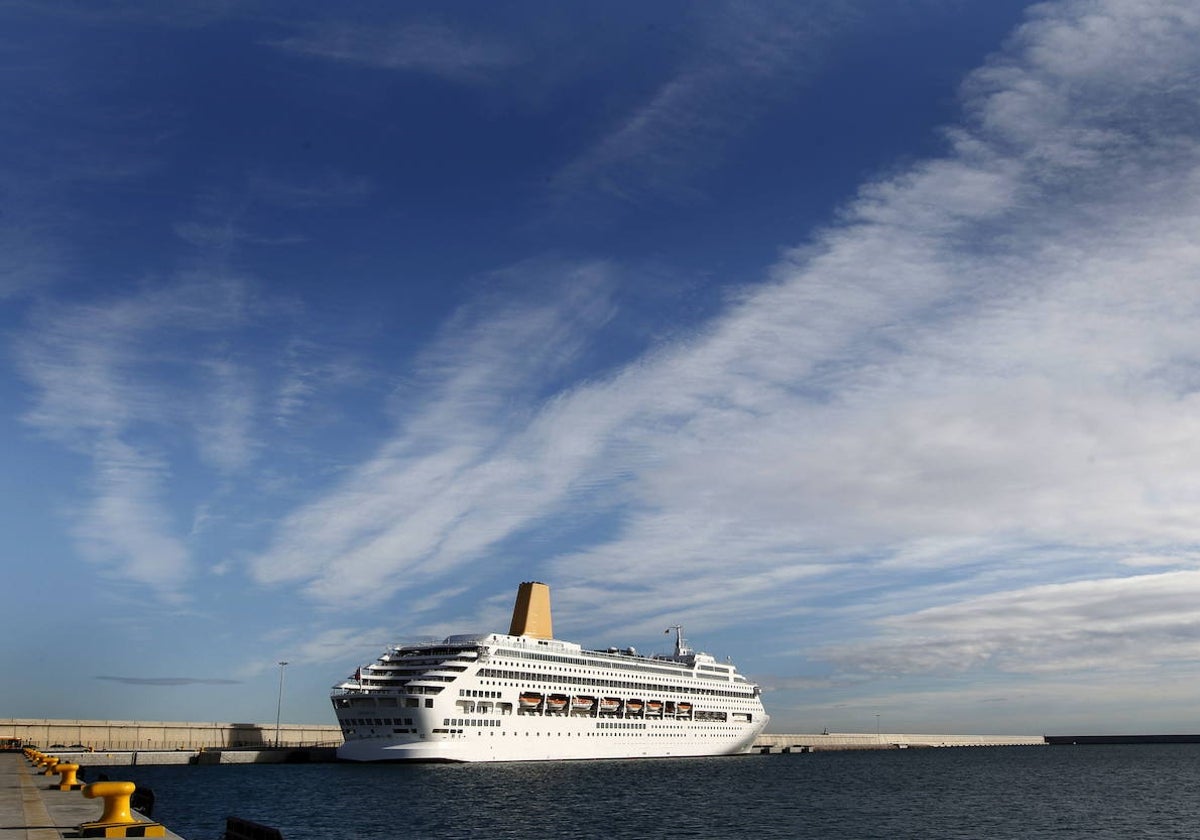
(858, 338)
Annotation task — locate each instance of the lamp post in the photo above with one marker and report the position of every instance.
(878, 737)
(279, 703)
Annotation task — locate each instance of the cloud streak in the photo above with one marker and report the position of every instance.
(421, 47)
(169, 681)
(740, 58)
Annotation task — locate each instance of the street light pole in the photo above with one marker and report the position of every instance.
(878, 737)
(279, 703)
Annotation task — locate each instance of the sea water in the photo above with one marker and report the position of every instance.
(1136, 791)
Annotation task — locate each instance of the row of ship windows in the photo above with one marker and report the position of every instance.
(474, 692)
(693, 734)
(377, 722)
(530, 676)
(409, 702)
(597, 663)
(414, 667)
(440, 654)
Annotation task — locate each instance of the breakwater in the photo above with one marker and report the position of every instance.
(117, 742)
(151, 735)
(1080, 740)
(145, 758)
(802, 742)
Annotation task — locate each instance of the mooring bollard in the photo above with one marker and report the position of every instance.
(66, 777)
(117, 821)
(48, 765)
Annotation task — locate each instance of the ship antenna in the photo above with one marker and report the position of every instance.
(681, 648)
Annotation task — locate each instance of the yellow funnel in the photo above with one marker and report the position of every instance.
(531, 613)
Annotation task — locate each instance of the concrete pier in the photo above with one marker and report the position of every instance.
(29, 810)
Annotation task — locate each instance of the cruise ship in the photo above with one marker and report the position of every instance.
(526, 696)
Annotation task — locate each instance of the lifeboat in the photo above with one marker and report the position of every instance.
(582, 704)
(556, 702)
(684, 708)
(654, 707)
(633, 706)
(610, 704)
(530, 700)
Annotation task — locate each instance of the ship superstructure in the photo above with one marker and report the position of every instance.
(525, 696)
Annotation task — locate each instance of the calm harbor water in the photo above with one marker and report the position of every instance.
(1007, 792)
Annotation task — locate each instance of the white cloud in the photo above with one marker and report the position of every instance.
(1112, 624)
(225, 420)
(126, 527)
(105, 378)
(445, 488)
(986, 367)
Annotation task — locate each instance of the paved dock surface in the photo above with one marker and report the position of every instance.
(29, 810)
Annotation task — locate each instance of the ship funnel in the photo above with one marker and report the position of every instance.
(531, 613)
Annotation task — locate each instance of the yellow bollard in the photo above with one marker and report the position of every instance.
(66, 777)
(48, 765)
(117, 821)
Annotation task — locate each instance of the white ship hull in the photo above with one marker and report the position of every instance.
(578, 741)
(529, 697)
